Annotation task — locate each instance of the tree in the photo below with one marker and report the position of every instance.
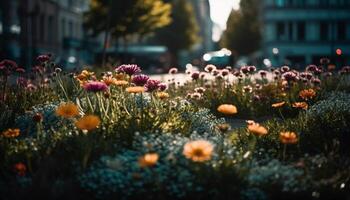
(183, 32)
(243, 33)
(122, 18)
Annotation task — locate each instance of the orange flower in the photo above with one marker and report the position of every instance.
(256, 129)
(198, 151)
(227, 109)
(277, 105)
(83, 76)
(67, 110)
(223, 127)
(302, 105)
(20, 169)
(162, 95)
(148, 160)
(109, 80)
(288, 137)
(121, 83)
(11, 133)
(88, 122)
(135, 89)
(307, 94)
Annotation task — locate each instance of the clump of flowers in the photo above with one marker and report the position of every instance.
(227, 109)
(257, 129)
(88, 122)
(198, 151)
(162, 95)
(152, 85)
(67, 110)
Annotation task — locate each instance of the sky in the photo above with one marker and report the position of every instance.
(220, 10)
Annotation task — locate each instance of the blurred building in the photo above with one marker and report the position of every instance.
(300, 32)
(32, 27)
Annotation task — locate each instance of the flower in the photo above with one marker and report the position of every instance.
(162, 95)
(196, 95)
(209, 68)
(38, 117)
(279, 104)
(162, 86)
(11, 133)
(121, 83)
(307, 94)
(227, 109)
(199, 90)
(148, 160)
(88, 122)
(128, 69)
(20, 169)
(135, 89)
(285, 69)
(140, 80)
(225, 72)
(288, 137)
(302, 105)
(108, 80)
(95, 86)
(43, 58)
(290, 76)
(67, 110)
(247, 89)
(198, 151)
(173, 70)
(256, 129)
(152, 85)
(195, 75)
(263, 73)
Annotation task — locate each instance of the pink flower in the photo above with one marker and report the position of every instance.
(162, 86)
(173, 70)
(95, 86)
(140, 80)
(43, 58)
(128, 69)
(152, 85)
(195, 75)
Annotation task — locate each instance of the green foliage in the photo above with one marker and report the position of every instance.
(183, 32)
(243, 33)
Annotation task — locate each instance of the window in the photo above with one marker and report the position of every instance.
(70, 29)
(301, 31)
(290, 31)
(341, 30)
(63, 28)
(280, 31)
(323, 31)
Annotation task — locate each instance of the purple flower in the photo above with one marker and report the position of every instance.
(316, 81)
(140, 80)
(95, 86)
(162, 86)
(128, 69)
(43, 58)
(345, 70)
(152, 85)
(8, 64)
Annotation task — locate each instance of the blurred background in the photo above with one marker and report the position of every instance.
(160, 34)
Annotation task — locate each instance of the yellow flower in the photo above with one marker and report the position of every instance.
(307, 94)
(162, 95)
(88, 122)
(256, 129)
(11, 133)
(227, 109)
(148, 160)
(121, 83)
(302, 105)
(288, 137)
(198, 151)
(277, 105)
(67, 110)
(135, 89)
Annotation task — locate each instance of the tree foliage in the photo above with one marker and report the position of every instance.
(183, 32)
(243, 33)
(123, 18)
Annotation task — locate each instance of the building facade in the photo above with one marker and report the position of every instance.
(33, 27)
(300, 32)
